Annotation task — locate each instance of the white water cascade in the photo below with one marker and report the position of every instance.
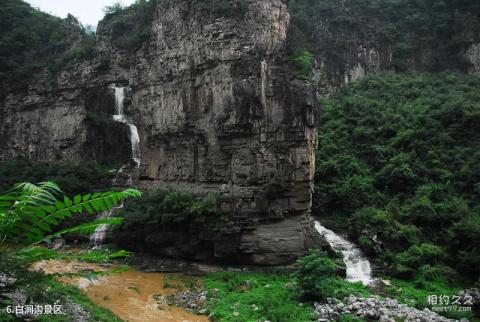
(98, 237)
(358, 266)
(119, 116)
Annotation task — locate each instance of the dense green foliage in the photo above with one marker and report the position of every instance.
(316, 279)
(31, 39)
(234, 296)
(74, 178)
(159, 215)
(254, 297)
(162, 206)
(129, 27)
(421, 34)
(399, 156)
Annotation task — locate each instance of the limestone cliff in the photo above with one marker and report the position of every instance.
(353, 38)
(216, 110)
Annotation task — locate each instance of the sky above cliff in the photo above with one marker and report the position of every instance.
(89, 12)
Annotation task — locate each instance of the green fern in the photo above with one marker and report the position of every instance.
(28, 212)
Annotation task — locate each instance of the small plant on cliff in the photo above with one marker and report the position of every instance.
(303, 60)
(273, 188)
(28, 213)
(298, 55)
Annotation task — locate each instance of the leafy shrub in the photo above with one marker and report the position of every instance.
(303, 60)
(313, 267)
(273, 188)
(162, 206)
(298, 55)
(463, 240)
(316, 278)
(417, 256)
(163, 218)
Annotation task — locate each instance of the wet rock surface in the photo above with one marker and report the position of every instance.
(191, 300)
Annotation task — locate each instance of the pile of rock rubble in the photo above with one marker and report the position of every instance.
(374, 308)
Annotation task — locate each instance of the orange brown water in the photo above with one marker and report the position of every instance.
(132, 295)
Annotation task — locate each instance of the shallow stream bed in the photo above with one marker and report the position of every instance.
(132, 295)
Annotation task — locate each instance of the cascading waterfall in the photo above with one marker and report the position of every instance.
(98, 237)
(358, 266)
(119, 116)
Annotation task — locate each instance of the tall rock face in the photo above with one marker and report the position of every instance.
(217, 111)
(353, 38)
(63, 119)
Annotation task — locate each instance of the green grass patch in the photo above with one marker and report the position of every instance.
(254, 297)
(409, 293)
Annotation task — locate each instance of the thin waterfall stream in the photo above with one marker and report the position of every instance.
(98, 237)
(358, 266)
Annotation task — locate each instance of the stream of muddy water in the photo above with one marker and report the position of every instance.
(132, 295)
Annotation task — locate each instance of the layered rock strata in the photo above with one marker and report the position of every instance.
(217, 111)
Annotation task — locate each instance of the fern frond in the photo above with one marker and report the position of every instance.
(35, 253)
(28, 212)
(103, 256)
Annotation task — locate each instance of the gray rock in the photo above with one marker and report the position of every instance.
(375, 309)
(216, 112)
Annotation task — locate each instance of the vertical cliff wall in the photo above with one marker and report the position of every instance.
(353, 38)
(217, 111)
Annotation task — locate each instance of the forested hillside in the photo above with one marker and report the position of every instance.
(398, 164)
(418, 34)
(31, 40)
